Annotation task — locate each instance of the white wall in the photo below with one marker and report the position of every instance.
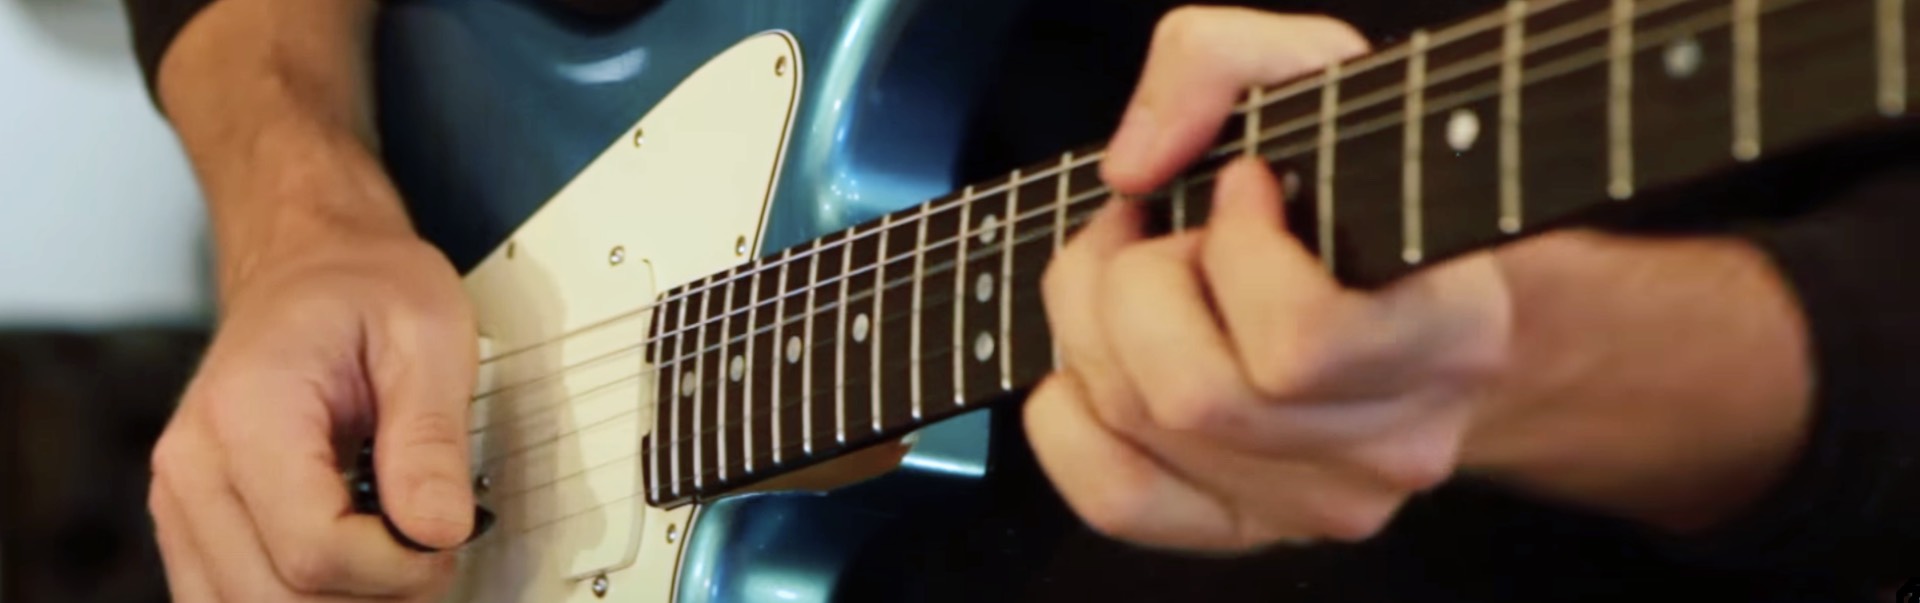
(100, 219)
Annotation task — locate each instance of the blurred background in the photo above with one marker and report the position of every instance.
(103, 302)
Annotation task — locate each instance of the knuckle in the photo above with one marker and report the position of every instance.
(1352, 520)
(1419, 462)
(1300, 352)
(163, 458)
(1418, 474)
(157, 500)
(1117, 413)
(1181, 27)
(1120, 513)
(307, 569)
(1194, 407)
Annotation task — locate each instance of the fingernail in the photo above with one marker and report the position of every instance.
(400, 536)
(1133, 143)
(482, 521)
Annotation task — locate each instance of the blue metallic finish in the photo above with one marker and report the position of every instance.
(878, 128)
(796, 546)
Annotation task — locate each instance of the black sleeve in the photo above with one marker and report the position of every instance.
(1851, 507)
(155, 23)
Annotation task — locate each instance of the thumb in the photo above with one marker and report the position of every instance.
(421, 366)
(1201, 61)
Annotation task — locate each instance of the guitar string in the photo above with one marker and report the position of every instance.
(775, 412)
(1281, 93)
(1030, 235)
(687, 442)
(1440, 105)
(1024, 237)
(795, 319)
(778, 408)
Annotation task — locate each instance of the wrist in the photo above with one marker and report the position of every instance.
(301, 192)
(1663, 380)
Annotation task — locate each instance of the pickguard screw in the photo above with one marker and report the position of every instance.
(511, 247)
(673, 533)
(618, 255)
(639, 136)
(600, 586)
(780, 66)
(740, 246)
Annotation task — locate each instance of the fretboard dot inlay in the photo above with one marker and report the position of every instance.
(1683, 58)
(1290, 184)
(1463, 130)
(983, 287)
(737, 368)
(989, 229)
(983, 347)
(793, 350)
(689, 383)
(860, 326)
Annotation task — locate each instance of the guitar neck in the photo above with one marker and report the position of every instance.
(1454, 140)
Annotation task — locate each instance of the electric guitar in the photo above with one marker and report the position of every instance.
(721, 254)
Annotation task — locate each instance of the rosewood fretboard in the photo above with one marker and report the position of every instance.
(1453, 140)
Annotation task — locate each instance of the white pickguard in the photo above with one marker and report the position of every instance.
(558, 421)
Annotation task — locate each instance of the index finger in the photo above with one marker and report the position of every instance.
(1201, 61)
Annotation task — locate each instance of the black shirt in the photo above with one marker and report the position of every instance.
(1847, 519)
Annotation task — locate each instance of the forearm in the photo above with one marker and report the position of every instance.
(1664, 380)
(271, 99)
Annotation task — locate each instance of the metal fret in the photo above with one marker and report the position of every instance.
(1890, 34)
(779, 336)
(960, 298)
(879, 313)
(1513, 51)
(1060, 223)
(1060, 203)
(1006, 283)
(746, 391)
(1329, 137)
(720, 380)
(653, 442)
(1412, 250)
(673, 402)
(806, 352)
(1250, 136)
(919, 280)
(1620, 103)
(1746, 79)
(699, 370)
(840, 345)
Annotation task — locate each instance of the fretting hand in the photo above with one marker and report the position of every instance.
(1220, 390)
